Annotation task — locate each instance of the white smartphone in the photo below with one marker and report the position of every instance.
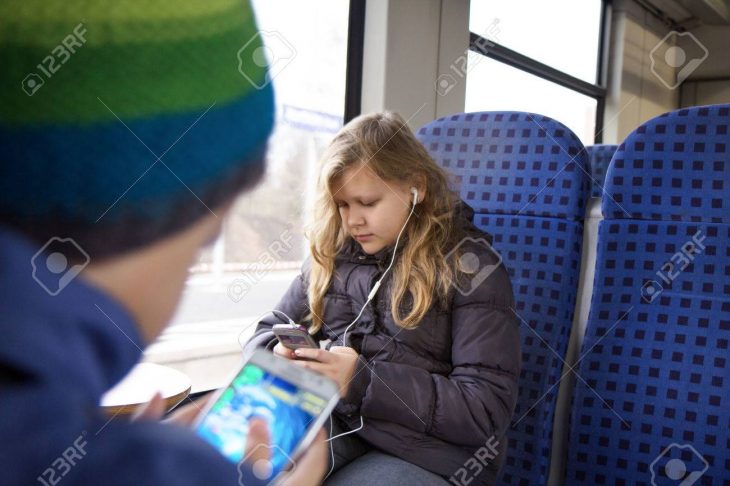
(295, 403)
(293, 336)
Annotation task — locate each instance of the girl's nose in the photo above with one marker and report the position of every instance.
(355, 218)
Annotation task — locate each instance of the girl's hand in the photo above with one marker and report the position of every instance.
(338, 364)
(284, 352)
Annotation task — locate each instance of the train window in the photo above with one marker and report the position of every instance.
(490, 85)
(555, 76)
(261, 249)
(522, 22)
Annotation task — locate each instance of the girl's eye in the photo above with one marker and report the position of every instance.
(362, 203)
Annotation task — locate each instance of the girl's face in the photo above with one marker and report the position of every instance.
(372, 210)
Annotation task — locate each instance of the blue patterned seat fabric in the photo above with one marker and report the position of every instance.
(653, 402)
(598, 158)
(525, 177)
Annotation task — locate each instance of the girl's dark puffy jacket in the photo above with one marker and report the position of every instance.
(437, 394)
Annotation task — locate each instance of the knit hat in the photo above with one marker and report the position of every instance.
(122, 121)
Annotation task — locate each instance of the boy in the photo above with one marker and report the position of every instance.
(126, 130)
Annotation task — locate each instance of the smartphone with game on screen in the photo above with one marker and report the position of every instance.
(295, 403)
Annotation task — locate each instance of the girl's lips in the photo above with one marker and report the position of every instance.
(363, 237)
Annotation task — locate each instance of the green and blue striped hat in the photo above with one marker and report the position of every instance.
(124, 121)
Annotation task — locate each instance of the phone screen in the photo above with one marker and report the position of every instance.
(255, 392)
(294, 340)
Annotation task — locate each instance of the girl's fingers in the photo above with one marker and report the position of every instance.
(283, 351)
(343, 350)
(321, 355)
(313, 365)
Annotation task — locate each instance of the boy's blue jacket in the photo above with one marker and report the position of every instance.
(58, 355)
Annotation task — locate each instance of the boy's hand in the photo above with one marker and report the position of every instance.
(338, 363)
(184, 415)
(309, 469)
(152, 410)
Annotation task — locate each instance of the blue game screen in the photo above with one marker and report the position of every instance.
(256, 393)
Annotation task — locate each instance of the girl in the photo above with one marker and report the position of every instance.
(428, 364)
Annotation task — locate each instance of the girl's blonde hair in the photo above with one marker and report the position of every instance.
(384, 142)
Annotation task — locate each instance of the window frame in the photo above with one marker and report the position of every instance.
(493, 50)
(354, 62)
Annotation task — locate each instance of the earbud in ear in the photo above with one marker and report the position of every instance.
(414, 191)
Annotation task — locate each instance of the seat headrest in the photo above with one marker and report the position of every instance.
(512, 162)
(675, 167)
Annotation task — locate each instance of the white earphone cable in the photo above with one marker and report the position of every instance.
(256, 340)
(392, 260)
(344, 336)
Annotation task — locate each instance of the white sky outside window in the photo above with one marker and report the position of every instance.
(263, 244)
(494, 86)
(563, 34)
(544, 32)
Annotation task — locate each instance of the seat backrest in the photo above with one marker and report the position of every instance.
(651, 398)
(525, 177)
(599, 156)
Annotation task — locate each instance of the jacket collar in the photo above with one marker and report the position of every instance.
(354, 253)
